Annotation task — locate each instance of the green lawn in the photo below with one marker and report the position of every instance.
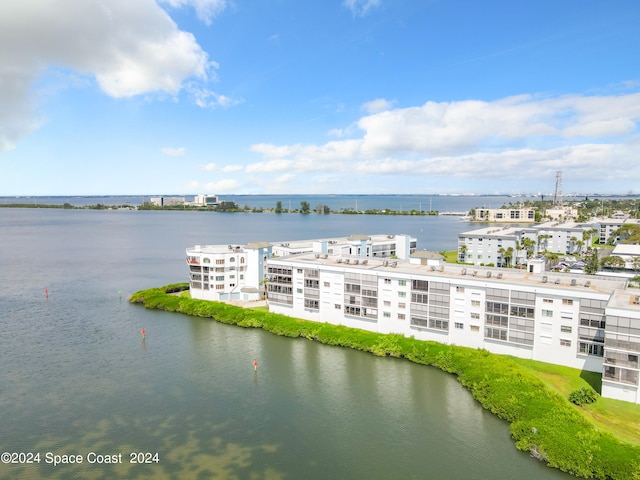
(622, 419)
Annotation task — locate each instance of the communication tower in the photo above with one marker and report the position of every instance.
(557, 196)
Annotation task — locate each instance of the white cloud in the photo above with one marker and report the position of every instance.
(360, 7)
(206, 10)
(205, 98)
(377, 105)
(129, 47)
(514, 138)
(286, 178)
(174, 152)
(212, 167)
(225, 185)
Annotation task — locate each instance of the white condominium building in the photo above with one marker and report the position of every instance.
(607, 226)
(237, 272)
(227, 272)
(491, 245)
(499, 246)
(505, 215)
(586, 322)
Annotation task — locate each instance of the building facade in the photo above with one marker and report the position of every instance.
(585, 322)
(237, 272)
(505, 215)
(227, 272)
(502, 246)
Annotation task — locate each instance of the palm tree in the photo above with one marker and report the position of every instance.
(508, 255)
(463, 251)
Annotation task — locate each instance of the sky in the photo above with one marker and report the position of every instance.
(186, 97)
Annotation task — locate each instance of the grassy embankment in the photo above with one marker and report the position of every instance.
(531, 396)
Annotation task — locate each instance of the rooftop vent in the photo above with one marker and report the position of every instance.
(587, 283)
(636, 301)
(545, 279)
(475, 272)
(488, 274)
(500, 275)
(573, 282)
(557, 282)
(364, 262)
(432, 268)
(464, 271)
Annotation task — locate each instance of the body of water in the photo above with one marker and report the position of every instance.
(425, 203)
(77, 379)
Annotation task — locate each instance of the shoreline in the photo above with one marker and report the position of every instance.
(541, 421)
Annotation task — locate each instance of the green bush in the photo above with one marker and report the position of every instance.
(583, 396)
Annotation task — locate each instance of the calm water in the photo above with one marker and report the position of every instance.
(442, 203)
(76, 378)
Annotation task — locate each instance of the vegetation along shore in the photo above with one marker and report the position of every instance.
(553, 412)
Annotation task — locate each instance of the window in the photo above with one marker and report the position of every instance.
(402, 294)
(386, 314)
(402, 283)
(387, 303)
(547, 313)
(475, 328)
(387, 281)
(402, 305)
(475, 303)
(232, 259)
(565, 343)
(401, 316)
(298, 290)
(567, 301)
(220, 278)
(475, 316)
(242, 260)
(327, 284)
(459, 325)
(565, 328)
(460, 289)
(337, 306)
(547, 300)
(220, 261)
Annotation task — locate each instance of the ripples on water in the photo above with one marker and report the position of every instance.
(76, 376)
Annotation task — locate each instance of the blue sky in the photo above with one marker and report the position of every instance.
(333, 96)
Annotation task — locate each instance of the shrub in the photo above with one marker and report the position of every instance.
(583, 396)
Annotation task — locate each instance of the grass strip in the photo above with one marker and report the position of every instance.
(542, 421)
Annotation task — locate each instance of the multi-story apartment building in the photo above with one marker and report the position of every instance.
(490, 245)
(499, 246)
(229, 272)
(586, 322)
(166, 201)
(607, 226)
(505, 215)
(562, 238)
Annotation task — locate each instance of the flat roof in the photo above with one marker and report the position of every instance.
(550, 280)
(625, 299)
